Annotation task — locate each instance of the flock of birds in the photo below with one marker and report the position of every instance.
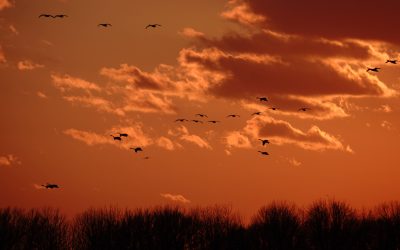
(120, 136)
(105, 25)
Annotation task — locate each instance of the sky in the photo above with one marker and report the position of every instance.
(67, 84)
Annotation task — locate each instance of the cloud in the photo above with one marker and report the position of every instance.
(28, 65)
(238, 140)
(298, 18)
(192, 33)
(136, 136)
(281, 132)
(387, 125)
(183, 134)
(66, 82)
(41, 95)
(175, 197)
(5, 4)
(9, 160)
(2, 56)
(166, 143)
(13, 29)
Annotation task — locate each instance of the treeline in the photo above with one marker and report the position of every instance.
(323, 225)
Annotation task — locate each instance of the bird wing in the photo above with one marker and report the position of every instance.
(148, 26)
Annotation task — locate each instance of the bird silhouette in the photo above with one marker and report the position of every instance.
(60, 16)
(46, 15)
(392, 61)
(181, 120)
(122, 134)
(214, 121)
(303, 109)
(153, 25)
(50, 186)
(264, 141)
(273, 108)
(197, 121)
(104, 24)
(263, 152)
(146, 158)
(263, 99)
(202, 115)
(257, 113)
(373, 69)
(116, 138)
(233, 115)
(137, 149)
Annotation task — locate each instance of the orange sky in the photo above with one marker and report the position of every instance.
(67, 84)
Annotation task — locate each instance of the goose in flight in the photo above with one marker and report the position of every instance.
(303, 109)
(105, 25)
(263, 99)
(257, 113)
(50, 186)
(153, 25)
(392, 61)
(137, 149)
(264, 141)
(197, 121)
(273, 108)
(123, 134)
(214, 121)
(233, 116)
(181, 120)
(60, 16)
(46, 15)
(202, 115)
(116, 138)
(263, 152)
(373, 69)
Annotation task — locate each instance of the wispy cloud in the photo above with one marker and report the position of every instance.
(13, 29)
(5, 4)
(9, 160)
(67, 82)
(28, 65)
(183, 134)
(175, 197)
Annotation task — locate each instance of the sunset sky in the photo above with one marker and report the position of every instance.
(68, 84)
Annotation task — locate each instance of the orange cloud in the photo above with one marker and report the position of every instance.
(67, 82)
(9, 160)
(238, 140)
(28, 65)
(175, 197)
(281, 132)
(2, 56)
(5, 4)
(192, 33)
(183, 134)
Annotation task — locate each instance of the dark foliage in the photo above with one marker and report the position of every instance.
(323, 225)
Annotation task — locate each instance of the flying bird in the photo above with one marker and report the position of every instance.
(46, 15)
(373, 69)
(202, 115)
(137, 149)
(392, 61)
(104, 24)
(263, 99)
(122, 134)
(273, 108)
(197, 121)
(263, 152)
(153, 25)
(233, 115)
(116, 138)
(264, 141)
(60, 16)
(214, 121)
(257, 113)
(50, 186)
(181, 120)
(303, 109)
